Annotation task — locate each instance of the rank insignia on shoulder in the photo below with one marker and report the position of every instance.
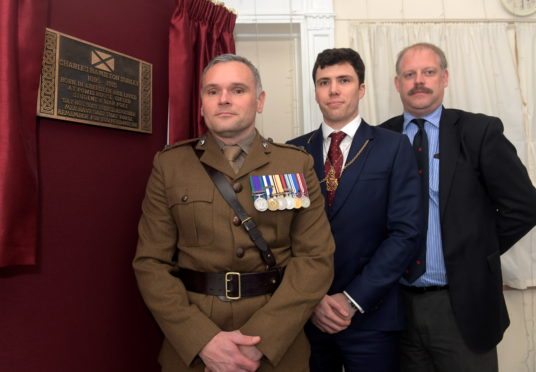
(279, 192)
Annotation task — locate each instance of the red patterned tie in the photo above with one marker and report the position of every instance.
(333, 165)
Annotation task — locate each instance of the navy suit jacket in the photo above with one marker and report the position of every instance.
(375, 220)
(487, 203)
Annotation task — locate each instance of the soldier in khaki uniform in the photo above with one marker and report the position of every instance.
(188, 233)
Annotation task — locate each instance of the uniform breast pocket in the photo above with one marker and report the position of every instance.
(192, 209)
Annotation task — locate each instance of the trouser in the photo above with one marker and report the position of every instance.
(432, 341)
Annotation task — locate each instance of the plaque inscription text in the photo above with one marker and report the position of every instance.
(86, 83)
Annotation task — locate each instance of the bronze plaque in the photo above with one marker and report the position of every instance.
(86, 83)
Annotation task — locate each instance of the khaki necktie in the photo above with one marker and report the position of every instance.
(231, 153)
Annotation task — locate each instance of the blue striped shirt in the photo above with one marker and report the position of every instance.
(435, 264)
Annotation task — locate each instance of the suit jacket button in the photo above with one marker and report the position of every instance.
(240, 252)
(236, 221)
(184, 198)
(237, 187)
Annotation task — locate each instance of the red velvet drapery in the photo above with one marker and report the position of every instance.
(22, 33)
(200, 30)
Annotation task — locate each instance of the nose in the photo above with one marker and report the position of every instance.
(333, 88)
(419, 77)
(224, 97)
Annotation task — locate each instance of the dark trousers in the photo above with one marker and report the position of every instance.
(433, 342)
(356, 350)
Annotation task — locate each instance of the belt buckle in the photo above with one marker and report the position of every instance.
(228, 278)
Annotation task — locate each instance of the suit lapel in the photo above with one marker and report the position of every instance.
(213, 156)
(315, 147)
(351, 174)
(396, 124)
(449, 149)
(255, 158)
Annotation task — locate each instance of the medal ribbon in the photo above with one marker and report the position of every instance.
(256, 186)
(303, 187)
(267, 186)
(291, 187)
(278, 185)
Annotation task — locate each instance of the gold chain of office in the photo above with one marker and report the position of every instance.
(331, 175)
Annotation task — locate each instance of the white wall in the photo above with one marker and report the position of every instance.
(274, 57)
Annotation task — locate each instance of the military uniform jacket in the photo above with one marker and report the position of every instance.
(186, 223)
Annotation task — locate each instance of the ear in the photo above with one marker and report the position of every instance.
(260, 101)
(397, 86)
(445, 78)
(362, 90)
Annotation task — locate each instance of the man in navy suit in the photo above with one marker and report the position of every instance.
(370, 182)
(480, 201)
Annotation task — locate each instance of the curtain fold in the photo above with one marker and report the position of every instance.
(22, 33)
(485, 75)
(199, 31)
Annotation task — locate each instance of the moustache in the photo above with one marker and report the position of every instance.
(420, 90)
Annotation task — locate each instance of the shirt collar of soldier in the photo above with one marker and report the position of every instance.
(245, 144)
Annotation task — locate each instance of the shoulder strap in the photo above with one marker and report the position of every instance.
(230, 197)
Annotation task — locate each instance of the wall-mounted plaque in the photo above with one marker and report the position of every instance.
(86, 83)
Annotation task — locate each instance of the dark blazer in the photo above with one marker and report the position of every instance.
(487, 203)
(374, 220)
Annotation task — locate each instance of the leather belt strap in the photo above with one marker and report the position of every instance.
(229, 195)
(231, 285)
(420, 290)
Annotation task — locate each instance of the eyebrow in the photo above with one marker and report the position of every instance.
(232, 85)
(336, 77)
(423, 68)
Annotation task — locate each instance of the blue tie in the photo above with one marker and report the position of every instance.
(420, 146)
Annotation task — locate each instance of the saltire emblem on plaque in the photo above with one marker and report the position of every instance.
(102, 61)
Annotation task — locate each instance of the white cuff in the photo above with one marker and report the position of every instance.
(354, 304)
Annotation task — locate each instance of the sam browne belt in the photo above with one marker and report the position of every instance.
(231, 285)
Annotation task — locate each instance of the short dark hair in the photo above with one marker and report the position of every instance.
(335, 56)
(223, 58)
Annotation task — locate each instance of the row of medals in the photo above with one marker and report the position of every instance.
(270, 192)
(281, 202)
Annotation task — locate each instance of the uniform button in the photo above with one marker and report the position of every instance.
(236, 221)
(240, 252)
(237, 187)
(184, 198)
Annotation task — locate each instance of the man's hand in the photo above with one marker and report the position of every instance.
(222, 353)
(333, 314)
(252, 352)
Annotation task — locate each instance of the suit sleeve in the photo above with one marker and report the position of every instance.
(404, 216)
(183, 324)
(508, 185)
(308, 275)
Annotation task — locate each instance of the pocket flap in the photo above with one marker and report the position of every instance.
(185, 195)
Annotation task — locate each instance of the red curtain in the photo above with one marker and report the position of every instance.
(22, 34)
(200, 30)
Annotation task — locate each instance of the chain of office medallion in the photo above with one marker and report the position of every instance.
(351, 161)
